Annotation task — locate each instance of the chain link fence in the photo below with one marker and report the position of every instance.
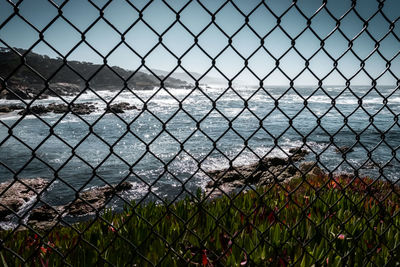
(162, 168)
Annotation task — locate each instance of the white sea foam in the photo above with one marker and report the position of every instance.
(164, 106)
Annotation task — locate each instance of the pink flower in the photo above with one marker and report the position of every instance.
(341, 236)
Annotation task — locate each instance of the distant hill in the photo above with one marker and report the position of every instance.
(72, 76)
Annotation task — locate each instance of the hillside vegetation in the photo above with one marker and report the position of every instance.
(30, 71)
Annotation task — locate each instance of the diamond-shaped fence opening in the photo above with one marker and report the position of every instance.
(200, 133)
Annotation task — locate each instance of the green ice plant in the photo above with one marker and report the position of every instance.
(312, 220)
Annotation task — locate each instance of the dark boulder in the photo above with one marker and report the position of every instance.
(38, 110)
(344, 149)
(376, 165)
(44, 213)
(83, 108)
(64, 89)
(275, 161)
(92, 200)
(10, 108)
(45, 216)
(310, 167)
(58, 108)
(263, 172)
(15, 194)
(80, 109)
(119, 108)
(297, 153)
(88, 202)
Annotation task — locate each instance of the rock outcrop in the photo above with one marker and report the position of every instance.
(92, 200)
(16, 93)
(45, 216)
(15, 194)
(297, 153)
(119, 108)
(64, 89)
(88, 202)
(80, 109)
(264, 172)
(344, 149)
(310, 167)
(10, 108)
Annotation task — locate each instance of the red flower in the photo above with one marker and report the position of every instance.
(43, 249)
(271, 217)
(333, 184)
(204, 259)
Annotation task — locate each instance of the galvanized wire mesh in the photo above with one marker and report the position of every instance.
(278, 67)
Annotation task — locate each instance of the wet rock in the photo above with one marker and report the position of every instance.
(245, 173)
(370, 165)
(45, 216)
(266, 178)
(45, 213)
(15, 94)
(310, 167)
(260, 173)
(297, 153)
(119, 108)
(343, 149)
(10, 108)
(38, 110)
(123, 187)
(267, 171)
(89, 202)
(58, 108)
(214, 192)
(144, 87)
(83, 108)
(80, 109)
(64, 89)
(92, 200)
(376, 165)
(275, 161)
(15, 194)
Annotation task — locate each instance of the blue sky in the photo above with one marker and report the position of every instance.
(196, 16)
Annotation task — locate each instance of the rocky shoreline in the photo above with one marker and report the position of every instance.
(264, 172)
(19, 91)
(79, 108)
(16, 195)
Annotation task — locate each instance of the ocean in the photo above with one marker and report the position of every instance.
(164, 148)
